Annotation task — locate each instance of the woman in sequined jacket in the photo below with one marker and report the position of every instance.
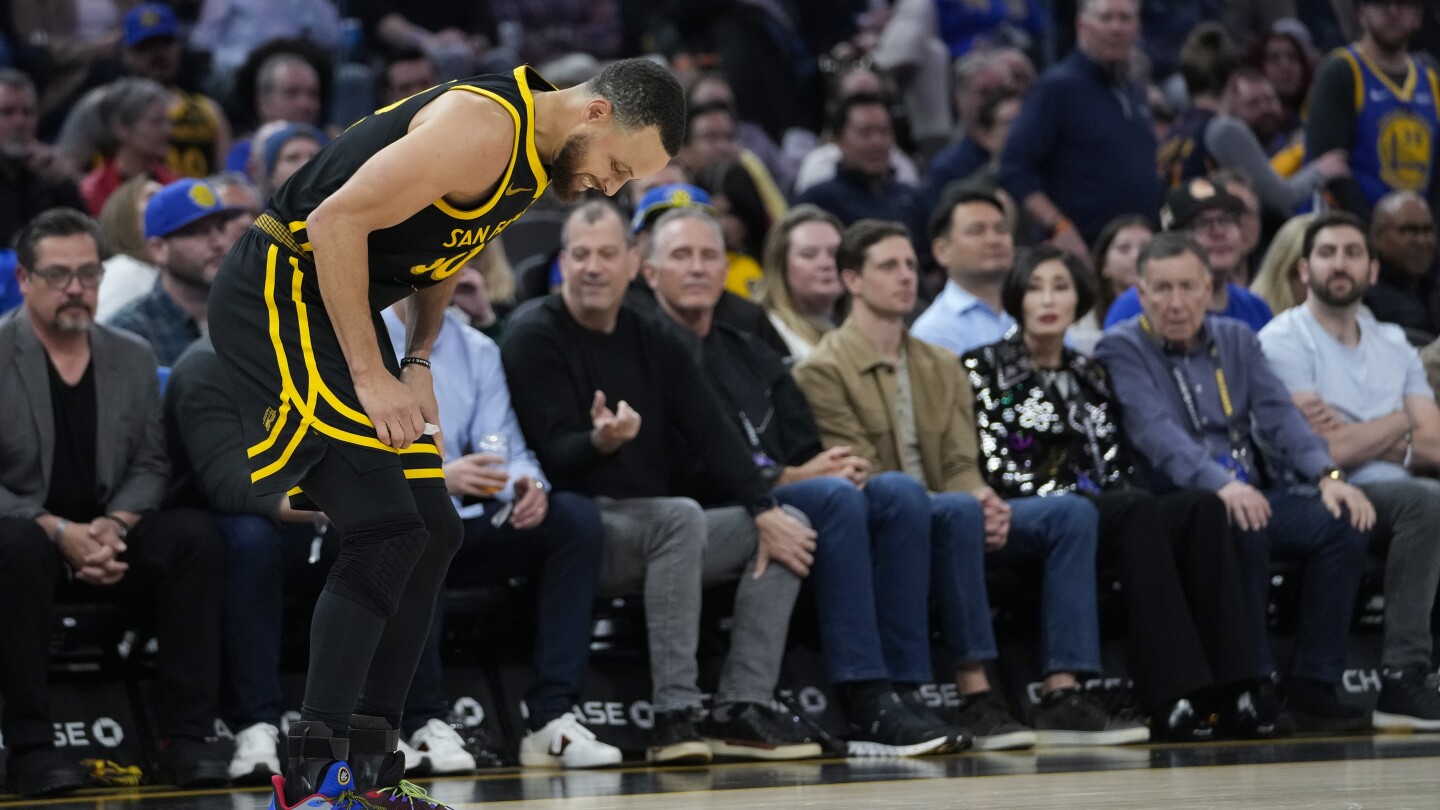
(1049, 425)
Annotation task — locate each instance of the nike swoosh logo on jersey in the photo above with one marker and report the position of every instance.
(515, 190)
(1378, 95)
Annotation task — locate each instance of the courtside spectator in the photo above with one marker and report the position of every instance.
(287, 88)
(82, 493)
(905, 406)
(1200, 403)
(584, 372)
(866, 599)
(514, 526)
(1049, 424)
(406, 73)
(1362, 388)
(270, 549)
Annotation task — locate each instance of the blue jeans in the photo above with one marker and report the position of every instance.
(1060, 531)
(259, 554)
(873, 570)
(842, 576)
(1333, 556)
(564, 551)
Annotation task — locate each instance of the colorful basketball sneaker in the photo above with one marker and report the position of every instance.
(336, 791)
(392, 792)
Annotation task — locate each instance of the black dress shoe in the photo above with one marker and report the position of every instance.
(196, 763)
(44, 772)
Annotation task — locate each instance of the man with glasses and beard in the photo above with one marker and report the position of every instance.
(81, 479)
(1362, 388)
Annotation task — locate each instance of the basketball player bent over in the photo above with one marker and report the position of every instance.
(389, 210)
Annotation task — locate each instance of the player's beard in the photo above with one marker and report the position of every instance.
(563, 170)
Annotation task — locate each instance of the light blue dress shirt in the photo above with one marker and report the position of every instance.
(474, 399)
(960, 322)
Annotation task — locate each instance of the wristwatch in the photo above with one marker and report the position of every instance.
(764, 503)
(1333, 473)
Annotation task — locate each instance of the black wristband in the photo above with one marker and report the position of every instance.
(414, 361)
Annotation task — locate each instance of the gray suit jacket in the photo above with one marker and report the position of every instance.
(130, 462)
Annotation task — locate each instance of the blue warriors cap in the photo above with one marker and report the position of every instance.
(149, 21)
(660, 199)
(179, 204)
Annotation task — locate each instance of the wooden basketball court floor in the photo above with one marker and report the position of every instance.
(1353, 773)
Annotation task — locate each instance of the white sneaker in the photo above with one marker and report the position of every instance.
(257, 755)
(415, 763)
(443, 748)
(564, 743)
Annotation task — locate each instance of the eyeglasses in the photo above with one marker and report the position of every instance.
(59, 278)
(1221, 220)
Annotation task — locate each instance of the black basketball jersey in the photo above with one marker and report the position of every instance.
(437, 241)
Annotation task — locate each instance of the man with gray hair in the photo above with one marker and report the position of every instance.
(872, 561)
(1204, 411)
(602, 393)
(1082, 151)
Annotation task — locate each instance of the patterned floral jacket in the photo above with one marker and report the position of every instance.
(1033, 441)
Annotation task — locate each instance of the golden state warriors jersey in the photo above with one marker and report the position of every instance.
(1395, 127)
(193, 130)
(437, 241)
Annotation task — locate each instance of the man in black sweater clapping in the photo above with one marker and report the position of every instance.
(599, 391)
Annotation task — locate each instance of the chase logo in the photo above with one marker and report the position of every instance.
(202, 195)
(343, 777)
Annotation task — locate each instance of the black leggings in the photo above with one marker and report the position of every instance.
(370, 623)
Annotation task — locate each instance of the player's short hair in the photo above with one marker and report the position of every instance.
(643, 94)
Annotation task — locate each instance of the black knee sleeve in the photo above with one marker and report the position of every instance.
(375, 561)
(443, 523)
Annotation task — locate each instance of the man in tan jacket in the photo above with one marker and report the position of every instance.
(904, 405)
